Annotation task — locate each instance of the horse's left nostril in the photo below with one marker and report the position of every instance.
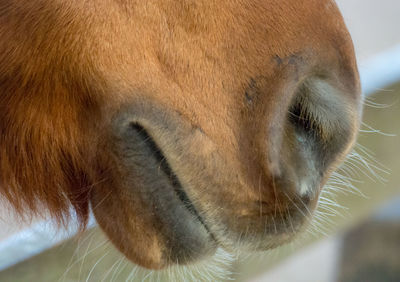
(319, 130)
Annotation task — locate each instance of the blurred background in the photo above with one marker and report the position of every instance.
(357, 235)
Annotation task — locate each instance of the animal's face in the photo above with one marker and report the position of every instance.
(186, 125)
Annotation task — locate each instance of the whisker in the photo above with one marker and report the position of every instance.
(368, 101)
(98, 261)
(111, 269)
(370, 129)
(131, 275)
(117, 271)
(80, 259)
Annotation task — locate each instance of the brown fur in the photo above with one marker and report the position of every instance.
(230, 69)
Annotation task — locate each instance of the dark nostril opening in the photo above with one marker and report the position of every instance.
(160, 159)
(321, 114)
(303, 121)
(319, 129)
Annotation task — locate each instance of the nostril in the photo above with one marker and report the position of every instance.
(318, 132)
(321, 116)
(303, 119)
